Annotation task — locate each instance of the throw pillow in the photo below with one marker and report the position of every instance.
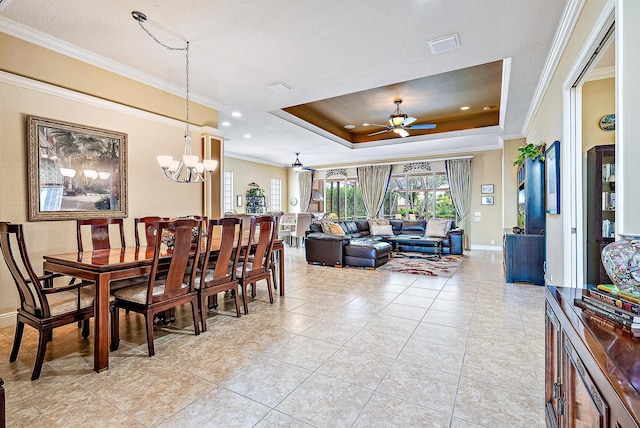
(381, 230)
(336, 229)
(377, 222)
(326, 226)
(437, 227)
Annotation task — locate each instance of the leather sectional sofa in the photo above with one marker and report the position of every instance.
(335, 249)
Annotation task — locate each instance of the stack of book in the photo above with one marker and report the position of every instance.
(610, 306)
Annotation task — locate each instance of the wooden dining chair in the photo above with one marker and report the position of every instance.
(99, 232)
(257, 259)
(150, 226)
(43, 305)
(164, 292)
(222, 277)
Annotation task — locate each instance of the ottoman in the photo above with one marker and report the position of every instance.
(368, 254)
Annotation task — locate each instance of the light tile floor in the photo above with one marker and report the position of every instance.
(344, 348)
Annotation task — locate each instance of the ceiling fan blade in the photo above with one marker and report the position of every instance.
(403, 133)
(409, 121)
(424, 126)
(379, 132)
(374, 124)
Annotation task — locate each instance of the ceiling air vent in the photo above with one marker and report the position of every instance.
(278, 88)
(444, 44)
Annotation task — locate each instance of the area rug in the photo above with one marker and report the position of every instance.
(419, 264)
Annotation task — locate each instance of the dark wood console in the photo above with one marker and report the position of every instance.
(592, 368)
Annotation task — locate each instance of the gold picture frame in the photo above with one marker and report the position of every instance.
(75, 171)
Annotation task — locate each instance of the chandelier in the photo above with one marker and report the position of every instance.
(189, 169)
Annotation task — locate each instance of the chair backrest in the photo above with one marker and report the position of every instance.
(14, 250)
(228, 253)
(183, 260)
(150, 229)
(303, 220)
(99, 232)
(263, 232)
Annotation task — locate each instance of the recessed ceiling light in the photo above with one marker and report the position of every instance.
(465, 108)
(236, 114)
(247, 136)
(280, 87)
(349, 126)
(365, 124)
(225, 123)
(486, 108)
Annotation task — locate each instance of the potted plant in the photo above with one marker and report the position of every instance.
(532, 151)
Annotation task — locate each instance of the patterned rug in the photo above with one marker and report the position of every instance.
(419, 264)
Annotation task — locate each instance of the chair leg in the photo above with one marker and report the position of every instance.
(244, 299)
(237, 299)
(148, 317)
(203, 310)
(85, 329)
(253, 290)
(270, 289)
(17, 339)
(42, 349)
(194, 310)
(115, 328)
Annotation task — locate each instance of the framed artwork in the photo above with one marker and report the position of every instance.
(486, 189)
(487, 200)
(552, 178)
(238, 200)
(75, 171)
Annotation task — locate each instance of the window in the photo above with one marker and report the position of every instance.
(418, 196)
(227, 192)
(276, 195)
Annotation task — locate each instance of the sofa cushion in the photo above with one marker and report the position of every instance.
(381, 230)
(438, 227)
(315, 227)
(362, 225)
(415, 227)
(396, 225)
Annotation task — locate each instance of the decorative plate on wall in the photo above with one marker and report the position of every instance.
(608, 122)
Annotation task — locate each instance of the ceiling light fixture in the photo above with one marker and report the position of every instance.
(236, 114)
(465, 108)
(190, 169)
(297, 165)
(225, 123)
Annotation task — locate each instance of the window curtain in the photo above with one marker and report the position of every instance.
(459, 176)
(373, 181)
(305, 182)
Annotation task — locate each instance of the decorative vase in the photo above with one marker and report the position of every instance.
(621, 260)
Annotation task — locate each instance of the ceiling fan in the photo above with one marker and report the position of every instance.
(399, 123)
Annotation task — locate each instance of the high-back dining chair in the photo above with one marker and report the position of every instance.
(150, 225)
(43, 306)
(99, 228)
(222, 277)
(257, 260)
(162, 292)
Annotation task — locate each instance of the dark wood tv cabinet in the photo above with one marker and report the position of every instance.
(592, 368)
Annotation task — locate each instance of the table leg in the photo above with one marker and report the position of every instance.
(101, 320)
(281, 269)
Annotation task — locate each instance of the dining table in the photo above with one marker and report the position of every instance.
(105, 266)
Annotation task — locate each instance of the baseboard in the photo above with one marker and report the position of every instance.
(8, 319)
(487, 247)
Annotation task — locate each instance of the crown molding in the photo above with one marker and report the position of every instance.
(568, 22)
(68, 94)
(51, 43)
(602, 73)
